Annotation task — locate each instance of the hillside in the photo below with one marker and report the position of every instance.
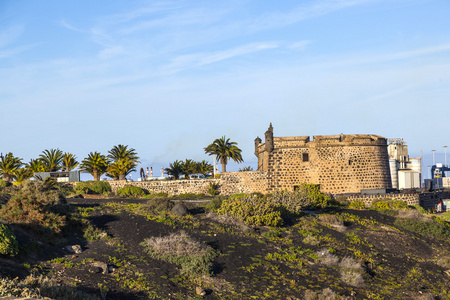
(334, 253)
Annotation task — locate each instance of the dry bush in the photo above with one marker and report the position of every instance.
(176, 244)
(349, 263)
(444, 262)
(311, 240)
(352, 277)
(326, 294)
(224, 219)
(332, 220)
(412, 214)
(195, 258)
(327, 258)
(351, 272)
(41, 286)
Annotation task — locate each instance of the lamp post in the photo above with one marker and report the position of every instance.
(445, 158)
(428, 166)
(434, 163)
(445, 154)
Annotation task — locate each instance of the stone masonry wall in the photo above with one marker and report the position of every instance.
(338, 163)
(229, 183)
(410, 199)
(427, 200)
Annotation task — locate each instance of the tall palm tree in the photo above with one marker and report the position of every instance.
(95, 164)
(224, 150)
(204, 167)
(35, 165)
(51, 159)
(125, 160)
(69, 161)
(120, 169)
(174, 169)
(8, 165)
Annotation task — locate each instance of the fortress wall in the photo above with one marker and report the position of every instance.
(343, 169)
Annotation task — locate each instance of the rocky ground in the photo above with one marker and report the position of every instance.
(360, 254)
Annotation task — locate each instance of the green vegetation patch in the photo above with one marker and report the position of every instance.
(8, 242)
(388, 203)
(425, 228)
(252, 209)
(131, 191)
(34, 204)
(93, 187)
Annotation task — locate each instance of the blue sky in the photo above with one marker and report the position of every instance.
(168, 77)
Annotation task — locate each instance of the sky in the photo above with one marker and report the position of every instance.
(168, 77)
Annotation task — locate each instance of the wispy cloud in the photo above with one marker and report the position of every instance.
(10, 34)
(200, 59)
(301, 45)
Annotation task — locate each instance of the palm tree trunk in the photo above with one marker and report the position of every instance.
(122, 177)
(223, 161)
(96, 175)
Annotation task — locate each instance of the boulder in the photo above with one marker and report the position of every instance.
(179, 210)
(74, 249)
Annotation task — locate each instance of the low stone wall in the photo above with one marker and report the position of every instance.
(229, 183)
(410, 199)
(427, 200)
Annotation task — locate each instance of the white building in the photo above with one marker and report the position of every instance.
(405, 171)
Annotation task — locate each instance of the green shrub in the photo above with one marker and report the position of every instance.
(153, 195)
(215, 203)
(358, 204)
(8, 242)
(307, 196)
(425, 227)
(93, 187)
(156, 206)
(419, 208)
(130, 190)
(213, 188)
(253, 210)
(33, 205)
(4, 183)
(388, 203)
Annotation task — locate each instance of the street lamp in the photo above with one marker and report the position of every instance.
(428, 166)
(445, 154)
(434, 163)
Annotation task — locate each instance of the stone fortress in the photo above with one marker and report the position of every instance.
(338, 163)
(357, 165)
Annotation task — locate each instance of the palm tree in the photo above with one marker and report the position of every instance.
(188, 167)
(120, 169)
(95, 164)
(8, 165)
(224, 150)
(204, 167)
(174, 169)
(69, 161)
(22, 174)
(51, 159)
(125, 160)
(35, 165)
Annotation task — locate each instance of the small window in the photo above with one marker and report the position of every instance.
(305, 156)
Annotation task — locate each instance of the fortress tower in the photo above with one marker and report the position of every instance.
(338, 163)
